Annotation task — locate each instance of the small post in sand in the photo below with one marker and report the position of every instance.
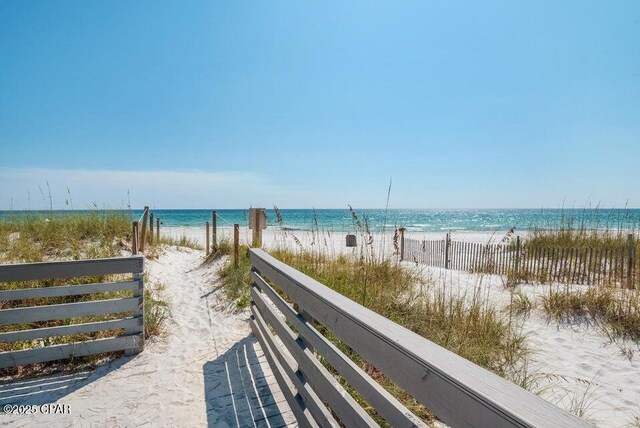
(256, 231)
(257, 222)
(150, 227)
(401, 230)
(214, 230)
(517, 254)
(236, 243)
(158, 228)
(134, 238)
(207, 246)
(144, 228)
(447, 245)
(630, 256)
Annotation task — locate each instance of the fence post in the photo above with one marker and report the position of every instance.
(214, 227)
(257, 230)
(207, 240)
(630, 257)
(401, 230)
(144, 228)
(138, 292)
(158, 228)
(150, 227)
(517, 267)
(447, 245)
(134, 238)
(236, 243)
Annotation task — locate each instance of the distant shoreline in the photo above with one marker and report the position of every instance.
(430, 220)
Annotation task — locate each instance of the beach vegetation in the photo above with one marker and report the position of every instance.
(520, 303)
(236, 279)
(616, 311)
(38, 237)
(181, 241)
(156, 311)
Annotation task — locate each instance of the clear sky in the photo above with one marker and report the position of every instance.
(191, 104)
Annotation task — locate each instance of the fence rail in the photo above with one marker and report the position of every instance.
(132, 341)
(582, 265)
(456, 390)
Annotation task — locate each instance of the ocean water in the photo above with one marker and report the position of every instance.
(431, 220)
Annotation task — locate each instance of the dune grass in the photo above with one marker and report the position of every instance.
(617, 311)
(182, 241)
(236, 279)
(566, 237)
(36, 238)
(465, 324)
(614, 305)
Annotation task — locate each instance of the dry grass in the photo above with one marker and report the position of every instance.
(156, 311)
(182, 241)
(617, 311)
(36, 238)
(236, 279)
(520, 303)
(567, 237)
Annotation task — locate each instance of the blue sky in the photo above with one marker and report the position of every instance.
(301, 104)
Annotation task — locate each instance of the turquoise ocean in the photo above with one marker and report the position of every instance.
(429, 220)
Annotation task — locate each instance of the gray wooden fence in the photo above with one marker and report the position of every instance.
(583, 265)
(459, 392)
(14, 319)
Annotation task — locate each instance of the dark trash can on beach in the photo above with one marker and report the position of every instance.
(351, 241)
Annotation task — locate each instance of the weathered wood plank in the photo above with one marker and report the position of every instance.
(311, 401)
(133, 324)
(384, 403)
(70, 269)
(296, 404)
(69, 310)
(325, 385)
(60, 352)
(66, 290)
(458, 391)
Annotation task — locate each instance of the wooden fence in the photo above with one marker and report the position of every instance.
(459, 392)
(139, 236)
(614, 266)
(132, 341)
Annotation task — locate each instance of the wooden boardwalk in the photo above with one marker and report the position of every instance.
(250, 396)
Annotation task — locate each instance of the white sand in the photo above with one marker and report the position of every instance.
(184, 379)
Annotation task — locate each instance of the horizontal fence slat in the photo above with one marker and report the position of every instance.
(459, 392)
(69, 310)
(327, 387)
(133, 324)
(306, 401)
(384, 403)
(60, 352)
(70, 269)
(65, 290)
(297, 406)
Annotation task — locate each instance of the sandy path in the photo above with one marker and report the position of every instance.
(207, 369)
